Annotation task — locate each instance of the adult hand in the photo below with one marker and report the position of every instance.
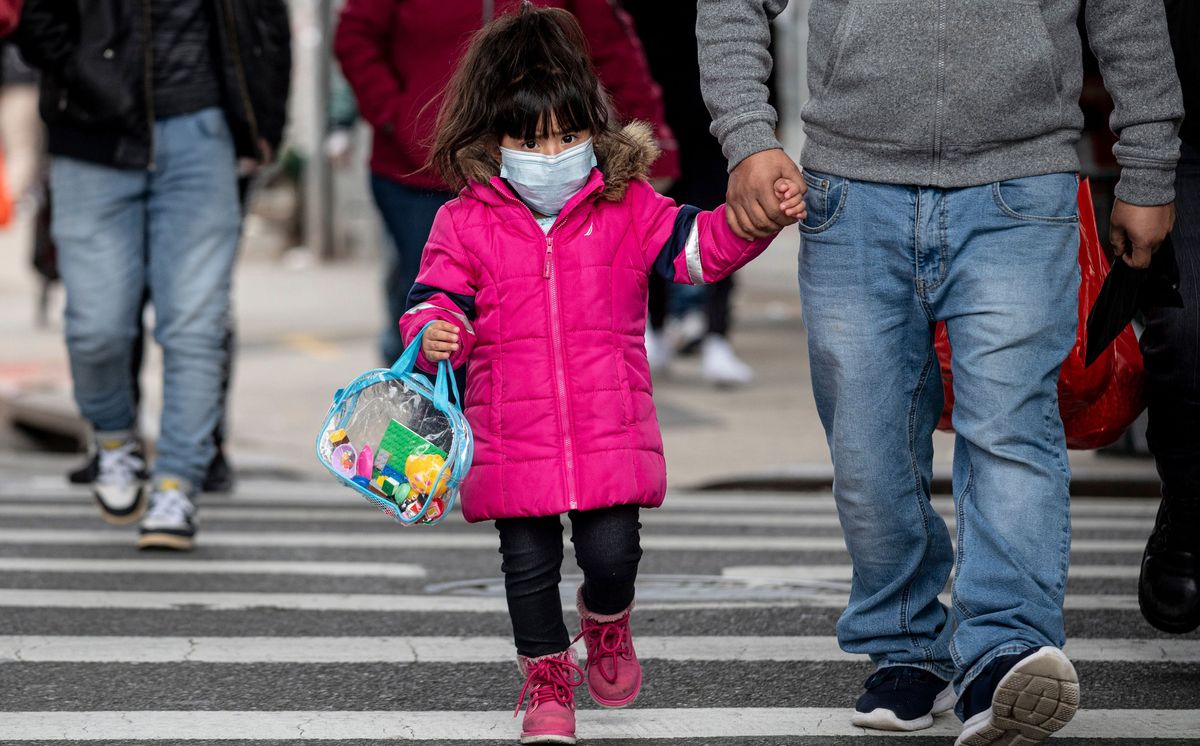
(440, 341)
(1136, 231)
(752, 206)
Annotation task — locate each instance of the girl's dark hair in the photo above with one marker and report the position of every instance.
(518, 70)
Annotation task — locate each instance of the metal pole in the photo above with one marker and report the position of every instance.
(318, 179)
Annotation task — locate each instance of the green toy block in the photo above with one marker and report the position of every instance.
(401, 442)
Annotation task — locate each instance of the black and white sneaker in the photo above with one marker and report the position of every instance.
(1020, 699)
(120, 473)
(170, 522)
(903, 698)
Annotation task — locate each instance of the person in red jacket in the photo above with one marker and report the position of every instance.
(10, 14)
(398, 55)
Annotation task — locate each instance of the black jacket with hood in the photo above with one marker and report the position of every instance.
(96, 89)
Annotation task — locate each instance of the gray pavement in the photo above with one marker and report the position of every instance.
(153, 648)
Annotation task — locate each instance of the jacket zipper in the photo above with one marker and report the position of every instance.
(239, 68)
(148, 82)
(560, 375)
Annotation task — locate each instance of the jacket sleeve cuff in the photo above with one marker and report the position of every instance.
(746, 139)
(1140, 185)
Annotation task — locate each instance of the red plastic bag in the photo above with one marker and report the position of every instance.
(1097, 402)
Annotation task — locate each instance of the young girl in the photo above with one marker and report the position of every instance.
(536, 278)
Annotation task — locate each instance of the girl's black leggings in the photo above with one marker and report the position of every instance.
(607, 549)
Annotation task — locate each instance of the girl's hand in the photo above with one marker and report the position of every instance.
(791, 199)
(440, 341)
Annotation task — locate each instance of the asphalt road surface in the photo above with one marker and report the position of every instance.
(304, 615)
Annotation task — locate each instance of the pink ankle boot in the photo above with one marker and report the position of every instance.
(550, 683)
(614, 675)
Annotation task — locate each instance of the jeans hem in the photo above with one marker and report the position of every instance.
(1010, 648)
(944, 672)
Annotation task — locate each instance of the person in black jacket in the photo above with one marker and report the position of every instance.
(1169, 591)
(148, 106)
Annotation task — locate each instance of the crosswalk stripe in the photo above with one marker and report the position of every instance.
(368, 602)
(422, 538)
(101, 649)
(333, 496)
(193, 566)
(454, 725)
(845, 572)
(352, 513)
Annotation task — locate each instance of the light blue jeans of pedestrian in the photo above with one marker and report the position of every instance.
(174, 229)
(879, 265)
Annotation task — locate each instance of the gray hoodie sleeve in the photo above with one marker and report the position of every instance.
(1131, 42)
(733, 38)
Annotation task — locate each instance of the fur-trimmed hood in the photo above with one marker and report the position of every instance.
(622, 157)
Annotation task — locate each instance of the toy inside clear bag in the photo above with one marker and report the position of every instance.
(399, 441)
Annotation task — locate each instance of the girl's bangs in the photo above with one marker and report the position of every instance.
(527, 112)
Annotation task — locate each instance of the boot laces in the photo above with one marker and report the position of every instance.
(551, 679)
(606, 642)
(170, 506)
(120, 465)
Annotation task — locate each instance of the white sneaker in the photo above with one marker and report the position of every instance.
(658, 352)
(721, 365)
(688, 332)
(170, 522)
(120, 471)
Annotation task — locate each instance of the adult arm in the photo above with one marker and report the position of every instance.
(1131, 43)
(735, 61)
(362, 44)
(621, 64)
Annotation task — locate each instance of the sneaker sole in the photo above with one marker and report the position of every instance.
(165, 541)
(1034, 700)
(133, 515)
(884, 719)
(548, 739)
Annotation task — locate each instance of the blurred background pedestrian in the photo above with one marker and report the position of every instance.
(398, 55)
(1169, 591)
(144, 133)
(704, 315)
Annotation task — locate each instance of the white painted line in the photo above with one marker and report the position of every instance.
(843, 573)
(425, 538)
(193, 566)
(333, 496)
(354, 513)
(100, 649)
(450, 725)
(372, 602)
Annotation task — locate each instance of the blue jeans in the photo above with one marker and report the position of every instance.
(879, 265)
(408, 215)
(175, 230)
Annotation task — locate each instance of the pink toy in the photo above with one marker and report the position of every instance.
(366, 462)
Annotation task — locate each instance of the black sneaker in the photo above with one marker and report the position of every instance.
(219, 477)
(1022, 698)
(87, 471)
(170, 521)
(1169, 588)
(902, 698)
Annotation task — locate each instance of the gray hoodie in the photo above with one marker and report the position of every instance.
(950, 93)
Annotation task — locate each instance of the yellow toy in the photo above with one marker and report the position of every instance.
(422, 471)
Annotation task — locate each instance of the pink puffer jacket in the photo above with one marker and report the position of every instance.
(558, 386)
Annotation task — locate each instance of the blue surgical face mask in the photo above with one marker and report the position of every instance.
(545, 183)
